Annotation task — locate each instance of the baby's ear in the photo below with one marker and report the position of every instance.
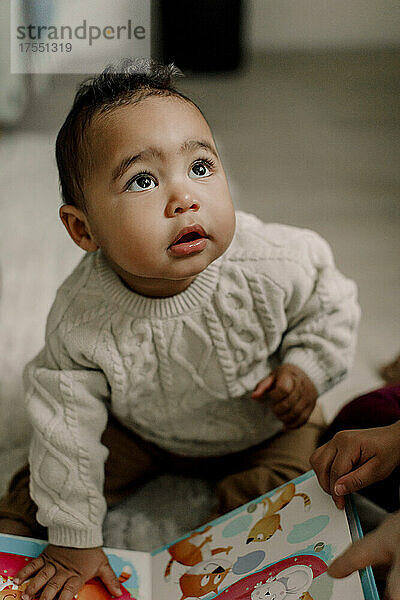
(76, 223)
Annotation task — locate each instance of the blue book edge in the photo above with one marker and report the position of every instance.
(366, 575)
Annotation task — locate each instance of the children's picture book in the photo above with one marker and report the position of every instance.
(277, 547)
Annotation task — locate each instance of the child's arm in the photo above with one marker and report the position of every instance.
(354, 459)
(67, 404)
(322, 315)
(64, 571)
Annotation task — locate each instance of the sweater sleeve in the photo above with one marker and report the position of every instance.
(66, 403)
(323, 315)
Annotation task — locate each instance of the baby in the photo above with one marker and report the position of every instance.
(188, 337)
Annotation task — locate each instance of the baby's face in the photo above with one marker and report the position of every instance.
(156, 173)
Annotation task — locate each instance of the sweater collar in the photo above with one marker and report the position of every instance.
(197, 293)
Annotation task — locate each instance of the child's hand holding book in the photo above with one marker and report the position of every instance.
(64, 571)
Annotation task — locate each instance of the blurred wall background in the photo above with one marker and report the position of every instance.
(315, 24)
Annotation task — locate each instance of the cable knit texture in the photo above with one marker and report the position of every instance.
(178, 371)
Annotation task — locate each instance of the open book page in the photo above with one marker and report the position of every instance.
(132, 568)
(280, 543)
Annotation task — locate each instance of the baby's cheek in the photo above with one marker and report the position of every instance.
(224, 234)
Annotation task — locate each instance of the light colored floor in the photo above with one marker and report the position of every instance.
(310, 140)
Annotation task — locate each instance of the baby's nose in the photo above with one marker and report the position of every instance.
(181, 204)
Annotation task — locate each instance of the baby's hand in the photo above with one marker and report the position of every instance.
(292, 393)
(64, 571)
(356, 458)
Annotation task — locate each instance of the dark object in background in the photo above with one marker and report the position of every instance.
(201, 36)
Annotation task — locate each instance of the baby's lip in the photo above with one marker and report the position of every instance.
(191, 229)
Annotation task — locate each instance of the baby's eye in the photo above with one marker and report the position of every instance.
(199, 169)
(141, 182)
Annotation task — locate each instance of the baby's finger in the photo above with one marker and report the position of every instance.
(299, 418)
(289, 415)
(30, 569)
(290, 408)
(284, 386)
(71, 587)
(53, 586)
(39, 581)
(283, 408)
(110, 580)
(287, 404)
(263, 386)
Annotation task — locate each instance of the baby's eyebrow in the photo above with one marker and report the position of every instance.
(129, 160)
(187, 146)
(190, 145)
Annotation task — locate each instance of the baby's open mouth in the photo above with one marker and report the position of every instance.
(189, 239)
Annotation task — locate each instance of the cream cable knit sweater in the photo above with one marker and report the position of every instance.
(178, 371)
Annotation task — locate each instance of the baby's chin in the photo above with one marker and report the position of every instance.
(182, 274)
(171, 272)
(192, 265)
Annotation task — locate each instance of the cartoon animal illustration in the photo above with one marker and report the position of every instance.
(187, 553)
(203, 578)
(288, 579)
(271, 522)
(290, 584)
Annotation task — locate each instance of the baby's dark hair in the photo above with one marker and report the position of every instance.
(120, 84)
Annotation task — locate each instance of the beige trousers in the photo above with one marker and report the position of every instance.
(240, 477)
